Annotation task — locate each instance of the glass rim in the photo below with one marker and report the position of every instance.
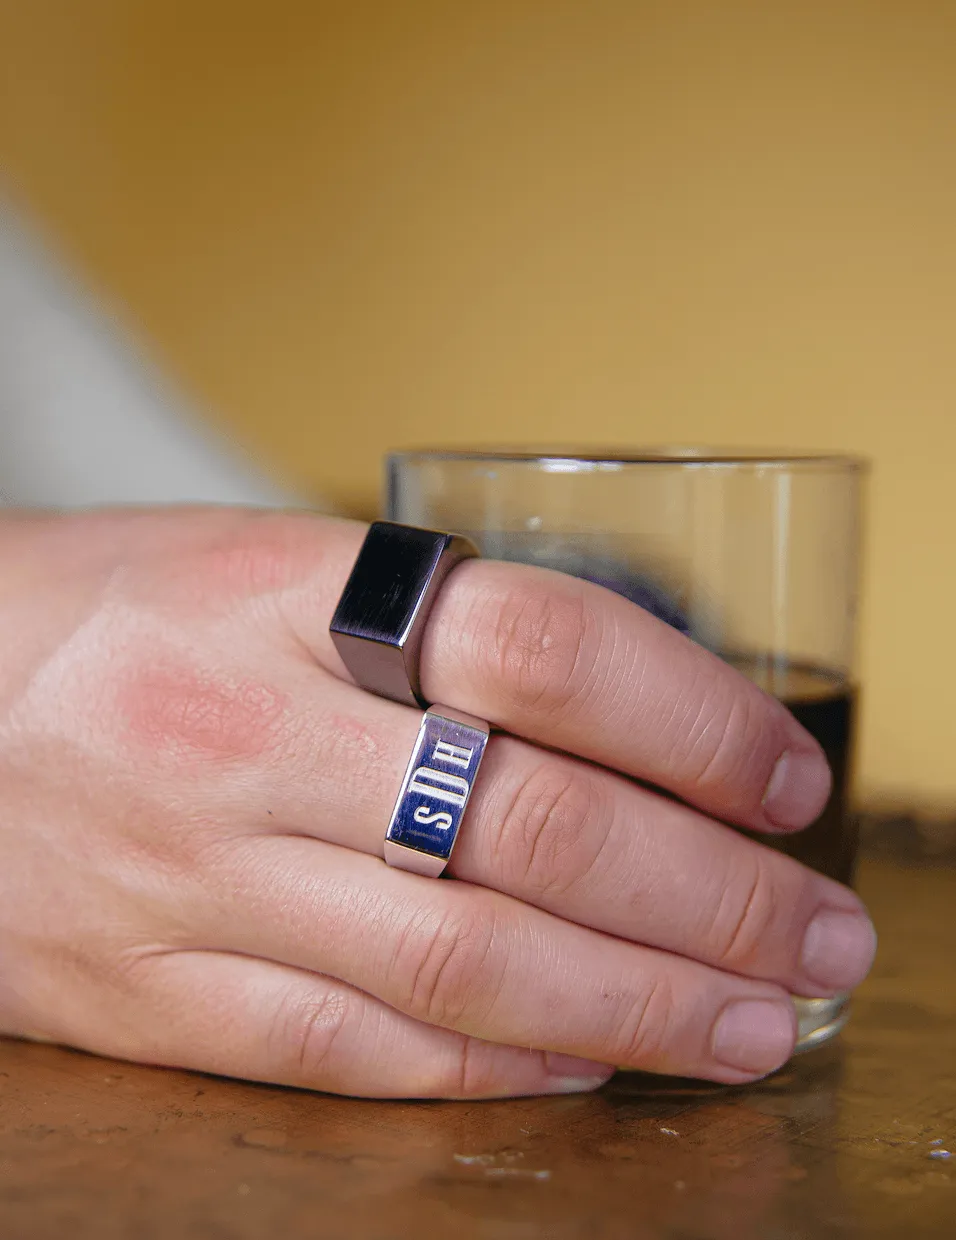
(587, 458)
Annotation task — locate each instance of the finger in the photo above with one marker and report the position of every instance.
(594, 848)
(576, 840)
(574, 666)
(483, 964)
(249, 1018)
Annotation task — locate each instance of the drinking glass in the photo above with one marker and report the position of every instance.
(755, 556)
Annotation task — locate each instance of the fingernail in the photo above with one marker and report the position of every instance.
(570, 1075)
(838, 949)
(754, 1035)
(797, 790)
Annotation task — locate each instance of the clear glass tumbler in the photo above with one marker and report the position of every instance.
(754, 556)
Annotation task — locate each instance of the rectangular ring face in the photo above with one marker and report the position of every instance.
(387, 583)
(437, 785)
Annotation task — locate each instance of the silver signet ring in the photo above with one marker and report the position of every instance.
(435, 790)
(380, 619)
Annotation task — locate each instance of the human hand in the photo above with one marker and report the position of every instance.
(195, 798)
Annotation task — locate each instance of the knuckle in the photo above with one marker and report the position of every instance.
(649, 1030)
(305, 1030)
(447, 963)
(742, 925)
(540, 640)
(255, 554)
(345, 739)
(194, 851)
(547, 838)
(123, 969)
(724, 737)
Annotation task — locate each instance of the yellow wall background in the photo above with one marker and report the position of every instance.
(351, 226)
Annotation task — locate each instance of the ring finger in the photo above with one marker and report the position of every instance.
(586, 845)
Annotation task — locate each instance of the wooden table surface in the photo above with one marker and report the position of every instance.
(851, 1140)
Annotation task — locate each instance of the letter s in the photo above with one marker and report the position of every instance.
(424, 815)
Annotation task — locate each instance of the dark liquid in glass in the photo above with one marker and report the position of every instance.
(825, 704)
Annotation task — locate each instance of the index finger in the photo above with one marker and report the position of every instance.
(573, 666)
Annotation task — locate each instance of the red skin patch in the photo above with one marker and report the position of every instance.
(179, 707)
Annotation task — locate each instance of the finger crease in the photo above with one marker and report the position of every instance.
(733, 943)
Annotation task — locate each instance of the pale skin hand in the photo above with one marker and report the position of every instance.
(194, 797)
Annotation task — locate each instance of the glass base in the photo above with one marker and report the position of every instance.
(819, 1020)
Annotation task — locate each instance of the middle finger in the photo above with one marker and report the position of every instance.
(572, 665)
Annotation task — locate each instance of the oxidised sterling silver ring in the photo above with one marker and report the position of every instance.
(380, 619)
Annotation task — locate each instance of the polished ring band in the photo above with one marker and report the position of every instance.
(377, 629)
(435, 790)
(380, 619)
